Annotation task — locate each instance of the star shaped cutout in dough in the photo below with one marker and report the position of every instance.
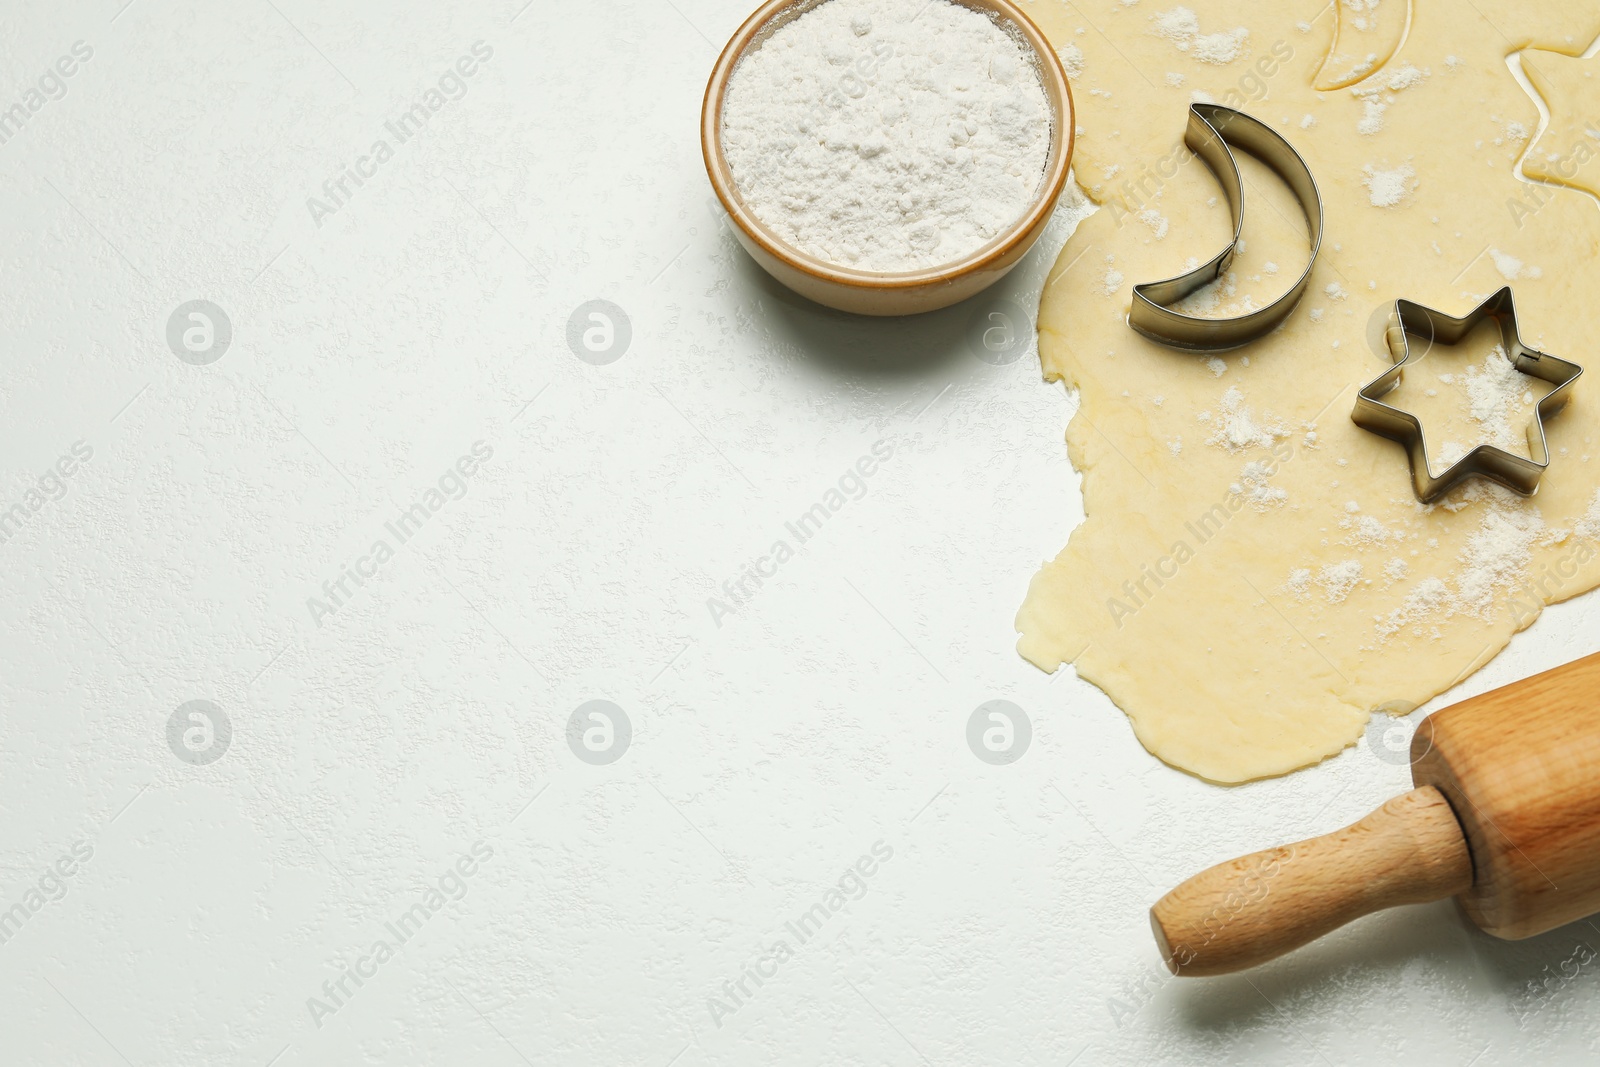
(1520, 473)
(1566, 152)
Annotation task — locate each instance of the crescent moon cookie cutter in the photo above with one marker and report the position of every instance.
(1519, 473)
(1212, 133)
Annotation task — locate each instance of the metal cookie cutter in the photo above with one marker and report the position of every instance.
(1514, 472)
(1212, 129)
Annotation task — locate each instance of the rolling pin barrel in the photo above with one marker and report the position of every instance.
(1505, 816)
(1520, 766)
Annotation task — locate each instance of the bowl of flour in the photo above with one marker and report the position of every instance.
(888, 157)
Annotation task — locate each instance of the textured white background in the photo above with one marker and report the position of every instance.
(429, 711)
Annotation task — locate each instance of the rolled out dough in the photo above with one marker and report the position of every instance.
(1254, 577)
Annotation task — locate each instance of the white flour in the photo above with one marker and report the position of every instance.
(888, 135)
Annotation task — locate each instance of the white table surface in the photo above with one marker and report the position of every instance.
(373, 745)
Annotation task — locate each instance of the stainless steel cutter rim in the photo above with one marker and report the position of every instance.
(1211, 130)
(1518, 473)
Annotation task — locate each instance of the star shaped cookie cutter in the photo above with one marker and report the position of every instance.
(1514, 472)
(1212, 129)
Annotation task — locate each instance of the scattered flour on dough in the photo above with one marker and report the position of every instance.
(1113, 281)
(1406, 77)
(1357, 68)
(1449, 454)
(1494, 392)
(1337, 579)
(1516, 133)
(1589, 525)
(1255, 485)
(1430, 599)
(1491, 387)
(1494, 562)
(1220, 48)
(1367, 532)
(1510, 267)
(1371, 120)
(1300, 582)
(1386, 188)
(1182, 28)
(1071, 59)
(1498, 553)
(1155, 220)
(1239, 429)
(1358, 13)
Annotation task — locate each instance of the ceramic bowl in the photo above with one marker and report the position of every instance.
(871, 292)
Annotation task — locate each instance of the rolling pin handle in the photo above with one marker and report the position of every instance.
(1255, 908)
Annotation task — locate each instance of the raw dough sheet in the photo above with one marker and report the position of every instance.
(1255, 577)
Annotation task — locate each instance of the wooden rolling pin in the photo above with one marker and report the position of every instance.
(1505, 816)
